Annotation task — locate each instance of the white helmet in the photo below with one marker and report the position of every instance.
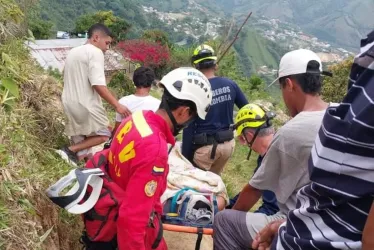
(70, 201)
(187, 83)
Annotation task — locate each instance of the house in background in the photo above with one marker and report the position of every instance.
(52, 54)
(62, 35)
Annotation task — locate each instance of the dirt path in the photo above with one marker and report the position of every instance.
(184, 241)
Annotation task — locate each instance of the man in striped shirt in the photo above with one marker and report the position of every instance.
(332, 211)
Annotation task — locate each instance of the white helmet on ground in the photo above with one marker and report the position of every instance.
(187, 83)
(82, 178)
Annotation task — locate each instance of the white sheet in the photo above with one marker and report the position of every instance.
(183, 174)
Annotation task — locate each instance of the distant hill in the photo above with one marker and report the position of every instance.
(253, 50)
(340, 22)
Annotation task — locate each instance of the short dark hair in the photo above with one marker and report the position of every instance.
(175, 103)
(143, 77)
(310, 82)
(99, 27)
(206, 64)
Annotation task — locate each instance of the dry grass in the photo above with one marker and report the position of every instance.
(28, 135)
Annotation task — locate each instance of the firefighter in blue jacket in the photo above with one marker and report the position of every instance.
(209, 143)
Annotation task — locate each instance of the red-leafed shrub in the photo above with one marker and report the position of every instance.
(147, 53)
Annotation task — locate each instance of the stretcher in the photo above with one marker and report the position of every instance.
(184, 176)
(200, 231)
(175, 217)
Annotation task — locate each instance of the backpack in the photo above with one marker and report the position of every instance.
(101, 221)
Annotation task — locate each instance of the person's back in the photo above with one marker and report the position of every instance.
(143, 79)
(77, 75)
(209, 144)
(142, 137)
(137, 103)
(291, 148)
(220, 116)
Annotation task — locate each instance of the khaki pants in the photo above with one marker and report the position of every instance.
(79, 138)
(223, 153)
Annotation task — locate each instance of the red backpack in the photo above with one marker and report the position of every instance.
(101, 221)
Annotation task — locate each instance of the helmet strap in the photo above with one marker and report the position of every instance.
(176, 127)
(251, 142)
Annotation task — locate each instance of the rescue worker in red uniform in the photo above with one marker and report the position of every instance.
(138, 157)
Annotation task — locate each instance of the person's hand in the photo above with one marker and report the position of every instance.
(123, 110)
(265, 236)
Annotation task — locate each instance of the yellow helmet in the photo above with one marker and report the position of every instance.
(252, 116)
(204, 54)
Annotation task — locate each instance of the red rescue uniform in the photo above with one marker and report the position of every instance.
(138, 163)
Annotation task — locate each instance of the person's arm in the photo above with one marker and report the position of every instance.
(247, 198)
(367, 235)
(142, 191)
(187, 150)
(124, 101)
(104, 92)
(116, 125)
(240, 99)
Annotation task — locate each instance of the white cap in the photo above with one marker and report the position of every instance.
(296, 62)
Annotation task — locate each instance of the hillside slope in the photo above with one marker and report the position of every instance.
(253, 50)
(340, 22)
(29, 132)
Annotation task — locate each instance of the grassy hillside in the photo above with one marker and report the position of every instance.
(255, 51)
(29, 132)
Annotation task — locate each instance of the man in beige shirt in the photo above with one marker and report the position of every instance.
(84, 86)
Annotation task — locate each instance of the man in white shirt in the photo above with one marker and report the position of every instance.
(84, 86)
(141, 100)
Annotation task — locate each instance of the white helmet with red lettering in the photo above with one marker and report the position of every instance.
(187, 83)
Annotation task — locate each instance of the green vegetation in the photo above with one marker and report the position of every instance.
(335, 88)
(64, 13)
(121, 85)
(117, 25)
(31, 125)
(256, 51)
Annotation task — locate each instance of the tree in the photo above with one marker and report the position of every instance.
(121, 85)
(335, 88)
(118, 26)
(41, 29)
(157, 36)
